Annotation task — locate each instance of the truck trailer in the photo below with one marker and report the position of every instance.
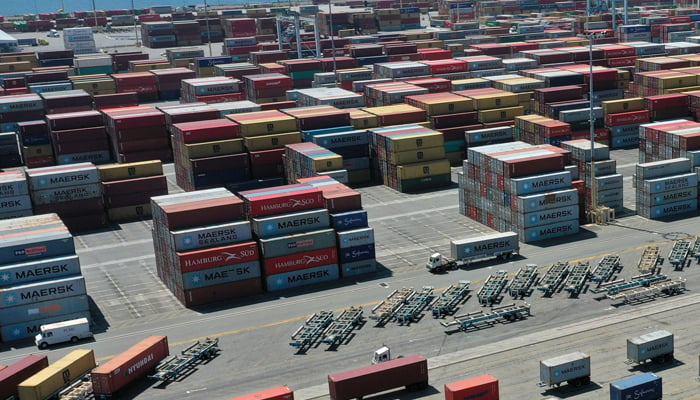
(655, 346)
(484, 387)
(463, 252)
(410, 371)
(573, 368)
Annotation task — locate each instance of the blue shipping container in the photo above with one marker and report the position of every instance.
(357, 253)
(46, 309)
(358, 267)
(38, 270)
(646, 386)
(349, 220)
(35, 246)
(219, 275)
(302, 277)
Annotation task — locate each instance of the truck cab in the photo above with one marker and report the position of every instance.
(61, 332)
(381, 354)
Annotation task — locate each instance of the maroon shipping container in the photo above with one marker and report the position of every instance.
(132, 146)
(134, 185)
(206, 212)
(165, 155)
(71, 208)
(277, 203)
(632, 117)
(452, 120)
(112, 100)
(218, 163)
(86, 146)
(278, 105)
(534, 165)
(16, 373)
(130, 365)
(139, 133)
(483, 387)
(266, 157)
(411, 372)
(206, 131)
(221, 292)
(342, 200)
(87, 222)
(132, 199)
(79, 134)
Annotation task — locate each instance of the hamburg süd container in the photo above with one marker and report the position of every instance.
(216, 256)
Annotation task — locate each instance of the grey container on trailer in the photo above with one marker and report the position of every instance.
(297, 243)
(651, 346)
(485, 246)
(211, 235)
(42, 291)
(285, 224)
(573, 368)
(38, 270)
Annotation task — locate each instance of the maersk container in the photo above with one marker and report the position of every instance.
(672, 196)
(219, 275)
(485, 246)
(573, 368)
(545, 217)
(355, 237)
(342, 139)
(57, 376)
(286, 224)
(604, 167)
(13, 183)
(278, 393)
(357, 253)
(483, 387)
(29, 329)
(349, 220)
(483, 136)
(45, 309)
(297, 243)
(410, 371)
(137, 361)
(60, 176)
(358, 267)
(680, 207)
(302, 277)
(651, 346)
(16, 373)
(546, 201)
(555, 230)
(659, 169)
(15, 203)
(669, 183)
(66, 193)
(211, 235)
(647, 386)
(608, 182)
(540, 183)
(42, 291)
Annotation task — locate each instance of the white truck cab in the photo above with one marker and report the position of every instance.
(64, 331)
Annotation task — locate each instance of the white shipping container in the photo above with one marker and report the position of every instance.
(540, 183)
(663, 168)
(670, 183)
(546, 217)
(545, 201)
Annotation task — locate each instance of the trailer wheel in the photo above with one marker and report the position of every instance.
(43, 345)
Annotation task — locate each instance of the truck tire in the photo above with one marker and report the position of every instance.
(43, 345)
(74, 339)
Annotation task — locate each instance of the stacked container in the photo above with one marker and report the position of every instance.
(183, 56)
(206, 66)
(158, 34)
(41, 277)
(128, 188)
(168, 81)
(80, 40)
(211, 90)
(137, 134)
(352, 145)
(209, 153)
(14, 195)
(93, 64)
(383, 94)
(670, 139)
(666, 188)
(336, 97)
(203, 246)
(536, 129)
(623, 118)
(409, 158)
(71, 191)
(303, 160)
(239, 48)
(608, 182)
(397, 114)
(35, 141)
(280, 211)
(16, 373)
(18, 108)
(302, 71)
(267, 88)
(521, 188)
(79, 137)
(9, 150)
(143, 83)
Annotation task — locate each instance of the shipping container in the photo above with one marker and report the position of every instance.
(308, 276)
(296, 243)
(410, 371)
(278, 393)
(220, 275)
(355, 237)
(57, 376)
(18, 372)
(349, 220)
(42, 291)
(219, 256)
(130, 365)
(287, 224)
(647, 386)
(484, 387)
(46, 309)
(573, 368)
(656, 346)
(62, 176)
(211, 235)
(485, 246)
(300, 261)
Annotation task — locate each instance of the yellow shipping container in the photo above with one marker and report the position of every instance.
(423, 169)
(266, 126)
(416, 141)
(681, 90)
(500, 114)
(215, 148)
(454, 47)
(206, 72)
(95, 85)
(429, 44)
(182, 62)
(414, 156)
(623, 105)
(129, 213)
(362, 119)
(346, 32)
(14, 66)
(37, 151)
(672, 82)
(141, 169)
(438, 107)
(328, 163)
(269, 142)
(57, 375)
(501, 100)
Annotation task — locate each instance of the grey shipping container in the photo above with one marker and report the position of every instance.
(672, 196)
(477, 136)
(663, 168)
(680, 207)
(574, 171)
(656, 346)
(608, 182)
(485, 246)
(13, 183)
(610, 195)
(355, 237)
(546, 217)
(302, 277)
(550, 231)
(37, 270)
(16, 214)
(574, 368)
(540, 183)
(46, 309)
(549, 200)
(646, 386)
(42, 291)
(297, 243)
(358, 267)
(605, 167)
(211, 235)
(61, 176)
(15, 203)
(286, 224)
(66, 193)
(219, 275)
(670, 183)
(31, 328)
(33, 246)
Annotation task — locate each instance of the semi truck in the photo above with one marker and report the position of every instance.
(410, 371)
(465, 251)
(573, 368)
(646, 386)
(655, 346)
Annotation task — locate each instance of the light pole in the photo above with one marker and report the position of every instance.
(206, 16)
(94, 12)
(330, 22)
(136, 31)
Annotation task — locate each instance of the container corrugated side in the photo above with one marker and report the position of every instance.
(57, 375)
(211, 235)
(483, 245)
(216, 256)
(545, 201)
(650, 345)
(666, 184)
(349, 220)
(14, 374)
(540, 183)
(546, 217)
(47, 309)
(302, 277)
(483, 387)
(355, 237)
(647, 386)
(221, 275)
(60, 176)
(286, 224)
(296, 243)
(42, 291)
(278, 393)
(550, 231)
(361, 267)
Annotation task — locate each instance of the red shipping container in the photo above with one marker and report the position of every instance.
(87, 146)
(206, 131)
(16, 373)
(277, 105)
(666, 101)
(446, 66)
(132, 146)
(206, 212)
(266, 157)
(342, 200)
(533, 165)
(80, 134)
(278, 393)
(221, 292)
(294, 262)
(277, 203)
(632, 117)
(221, 98)
(37, 162)
(130, 365)
(218, 163)
(622, 61)
(217, 256)
(131, 118)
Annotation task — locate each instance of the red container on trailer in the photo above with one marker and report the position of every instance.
(278, 393)
(411, 371)
(16, 373)
(130, 365)
(483, 387)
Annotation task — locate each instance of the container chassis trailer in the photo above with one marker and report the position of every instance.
(606, 268)
(387, 308)
(510, 312)
(649, 260)
(413, 306)
(309, 333)
(449, 300)
(576, 279)
(490, 293)
(553, 277)
(615, 287)
(668, 287)
(172, 367)
(521, 285)
(339, 330)
(678, 257)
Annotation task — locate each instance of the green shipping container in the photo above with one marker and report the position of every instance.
(421, 184)
(303, 74)
(104, 69)
(454, 145)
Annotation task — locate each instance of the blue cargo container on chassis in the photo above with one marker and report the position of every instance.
(646, 386)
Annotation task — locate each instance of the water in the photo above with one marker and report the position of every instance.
(12, 7)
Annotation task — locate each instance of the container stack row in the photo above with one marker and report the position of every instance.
(670, 139)
(127, 189)
(137, 134)
(79, 137)
(14, 195)
(303, 160)
(665, 188)
(623, 118)
(522, 188)
(80, 40)
(267, 88)
(211, 90)
(351, 145)
(42, 281)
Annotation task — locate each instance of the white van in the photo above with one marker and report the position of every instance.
(64, 331)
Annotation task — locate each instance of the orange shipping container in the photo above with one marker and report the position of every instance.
(484, 387)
